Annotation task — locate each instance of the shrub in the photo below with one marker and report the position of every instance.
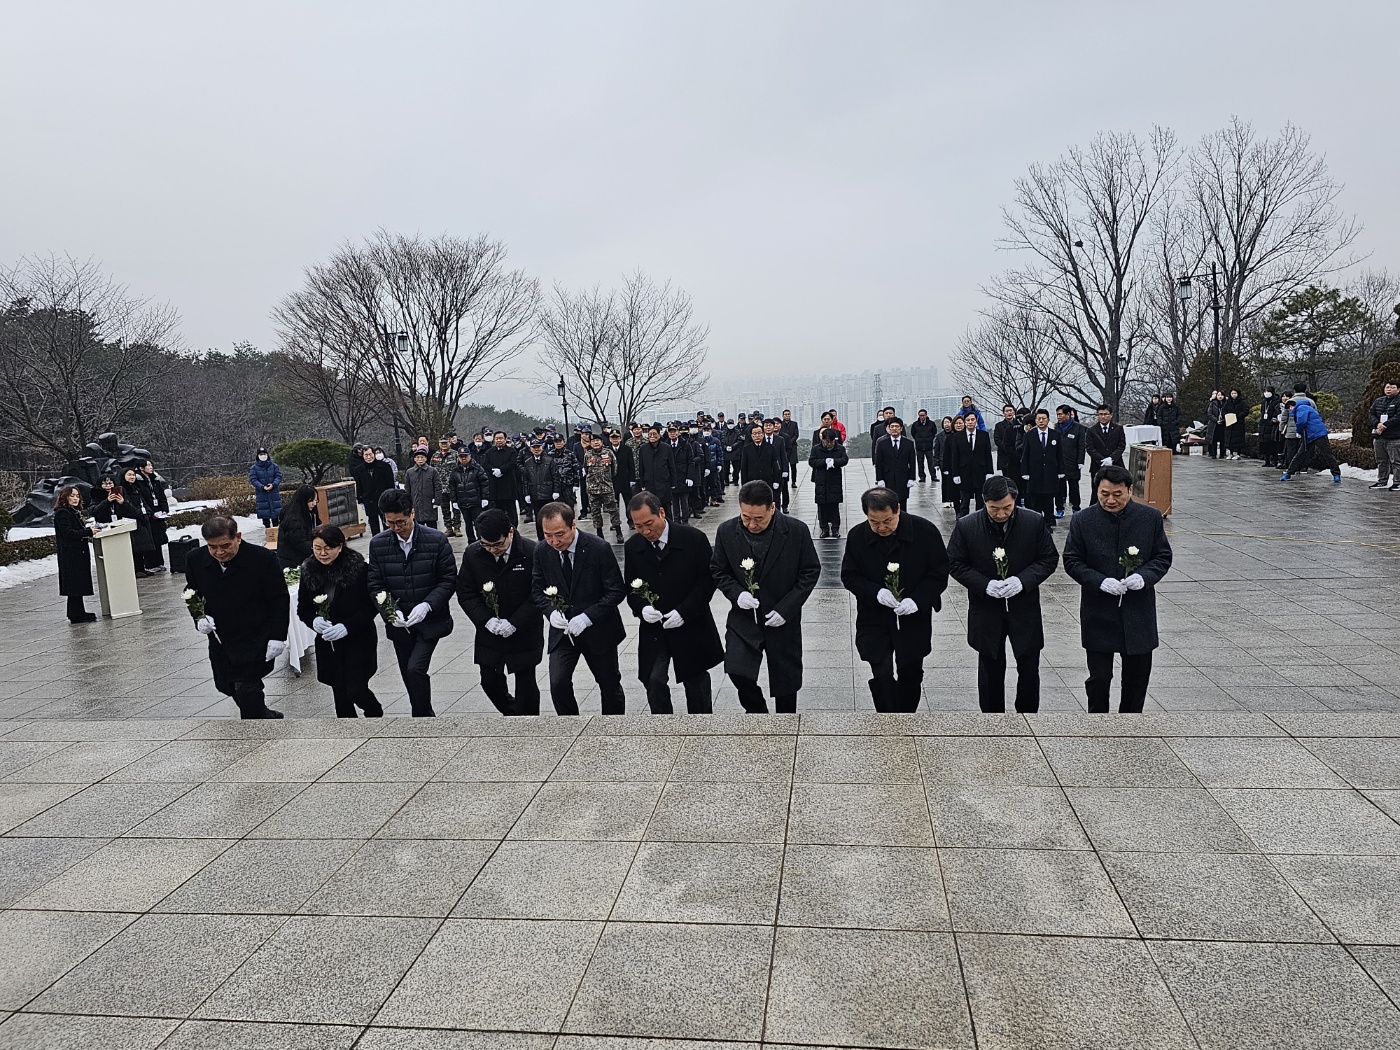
(7, 522)
(314, 457)
(1355, 454)
(231, 490)
(12, 553)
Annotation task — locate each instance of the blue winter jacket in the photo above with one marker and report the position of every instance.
(269, 502)
(1309, 423)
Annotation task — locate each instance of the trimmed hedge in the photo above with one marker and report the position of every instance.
(12, 552)
(1357, 455)
(230, 489)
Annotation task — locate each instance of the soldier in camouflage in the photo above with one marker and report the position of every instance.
(443, 461)
(599, 478)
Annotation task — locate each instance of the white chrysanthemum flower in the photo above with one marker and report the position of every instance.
(1133, 551)
(188, 593)
(488, 586)
(747, 563)
(381, 597)
(638, 584)
(892, 567)
(550, 592)
(999, 553)
(321, 599)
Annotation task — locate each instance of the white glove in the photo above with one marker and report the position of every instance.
(785, 473)
(527, 499)
(493, 624)
(879, 484)
(419, 614)
(1011, 587)
(485, 503)
(1117, 588)
(558, 620)
(906, 607)
(1025, 477)
(578, 625)
(831, 464)
(506, 628)
(909, 483)
(321, 625)
(495, 472)
(555, 495)
(651, 615)
(335, 632)
(957, 481)
(775, 484)
(774, 619)
(1059, 475)
(205, 625)
(673, 620)
(886, 598)
(746, 601)
(1135, 582)
(689, 482)
(1106, 461)
(707, 472)
(399, 621)
(995, 588)
(274, 650)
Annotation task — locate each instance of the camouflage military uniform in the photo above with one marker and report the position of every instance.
(599, 469)
(442, 463)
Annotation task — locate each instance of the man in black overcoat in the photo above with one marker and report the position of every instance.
(925, 431)
(1117, 605)
(789, 431)
(416, 567)
(1104, 442)
(673, 562)
(583, 572)
(247, 612)
(758, 460)
(1006, 436)
(828, 460)
(894, 461)
(894, 628)
(501, 463)
(1001, 609)
(510, 638)
(1072, 449)
(1042, 466)
(657, 471)
(687, 472)
(773, 437)
(768, 619)
(624, 481)
(970, 458)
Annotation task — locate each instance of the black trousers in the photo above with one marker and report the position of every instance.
(496, 686)
(76, 612)
(699, 697)
(969, 495)
(415, 654)
(1137, 671)
(372, 519)
(447, 512)
(1310, 450)
(348, 697)
(782, 493)
(829, 516)
(605, 671)
(242, 681)
(897, 694)
(508, 505)
(1043, 502)
(925, 464)
(991, 681)
(751, 697)
(469, 514)
(155, 559)
(1069, 487)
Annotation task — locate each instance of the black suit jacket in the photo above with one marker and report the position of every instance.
(512, 583)
(917, 548)
(1030, 555)
(657, 471)
(597, 591)
(895, 467)
(760, 463)
(790, 434)
(1103, 446)
(248, 600)
(972, 463)
(680, 578)
(1041, 467)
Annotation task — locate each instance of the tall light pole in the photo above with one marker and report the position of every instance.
(564, 400)
(1184, 291)
(398, 346)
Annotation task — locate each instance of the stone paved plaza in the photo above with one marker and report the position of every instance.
(1221, 872)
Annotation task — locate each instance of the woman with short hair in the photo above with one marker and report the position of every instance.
(333, 599)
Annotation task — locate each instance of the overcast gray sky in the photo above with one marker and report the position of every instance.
(824, 178)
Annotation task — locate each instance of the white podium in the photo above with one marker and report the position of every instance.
(116, 572)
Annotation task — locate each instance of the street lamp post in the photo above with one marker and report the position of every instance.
(400, 344)
(564, 400)
(1184, 291)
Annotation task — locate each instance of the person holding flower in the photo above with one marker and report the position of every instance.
(493, 589)
(667, 569)
(1117, 551)
(897, 567)
(766, 564)
(1002, 554)
(333, 599)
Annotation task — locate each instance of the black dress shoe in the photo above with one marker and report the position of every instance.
(270, 713)
(142, 574)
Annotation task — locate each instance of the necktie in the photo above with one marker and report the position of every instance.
(569, 569)
(896, 444)
(1042, 439)
(971, 436)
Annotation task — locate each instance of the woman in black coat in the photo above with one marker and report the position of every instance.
(113, 500)
(1234, 432)
(72, 536)
(347, 641)
(294, 533)
(151, 487)
(951, 428)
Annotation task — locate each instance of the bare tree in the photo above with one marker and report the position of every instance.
(1268, 210)
(660, 351)
(1172, 328)
(1082, 222)
(1009, 357)
(79, 355)
(427, 321)
(579, 333)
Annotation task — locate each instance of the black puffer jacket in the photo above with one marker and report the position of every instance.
(541, 478)
(429, 574)
(468, 484)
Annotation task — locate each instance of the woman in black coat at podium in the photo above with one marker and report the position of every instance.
(347, 640)
(74, 563)
(110, 502)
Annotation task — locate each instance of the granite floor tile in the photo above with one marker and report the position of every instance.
(1006, 817)
(1157, 820)
(860, 814)
(1383, 964)
(1137, 762)
(736, 759)
(38, 947)
(588, 812)
(21, 753)
(83, 762)
(721, 882)
(1357, 897)
(867, 988)
(991, 761)
(1170, 724)
(60, 1032)
(1317, 996)
(261, 876)
(711, 811)
(526, 758)
(1363, 763)
(494, 974)
(244, 1035)
(856, 760)
(126, 875)
(1211, 896)
(159, 966)
(218, 811)
(1064, 892)
(548, 880)
(460, 811)
(674, 980)
(289, 761)
(404, 877)
(337, 811)
(1254, 762)
(322, 970)
(1312, 821)
(438, 1039)
(867, 887)
(187, 760)
(402, 760)
(1035, 993)
(1340, 724)
(101, 811)
(27, 864)
(618, 758)
(20, 802)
